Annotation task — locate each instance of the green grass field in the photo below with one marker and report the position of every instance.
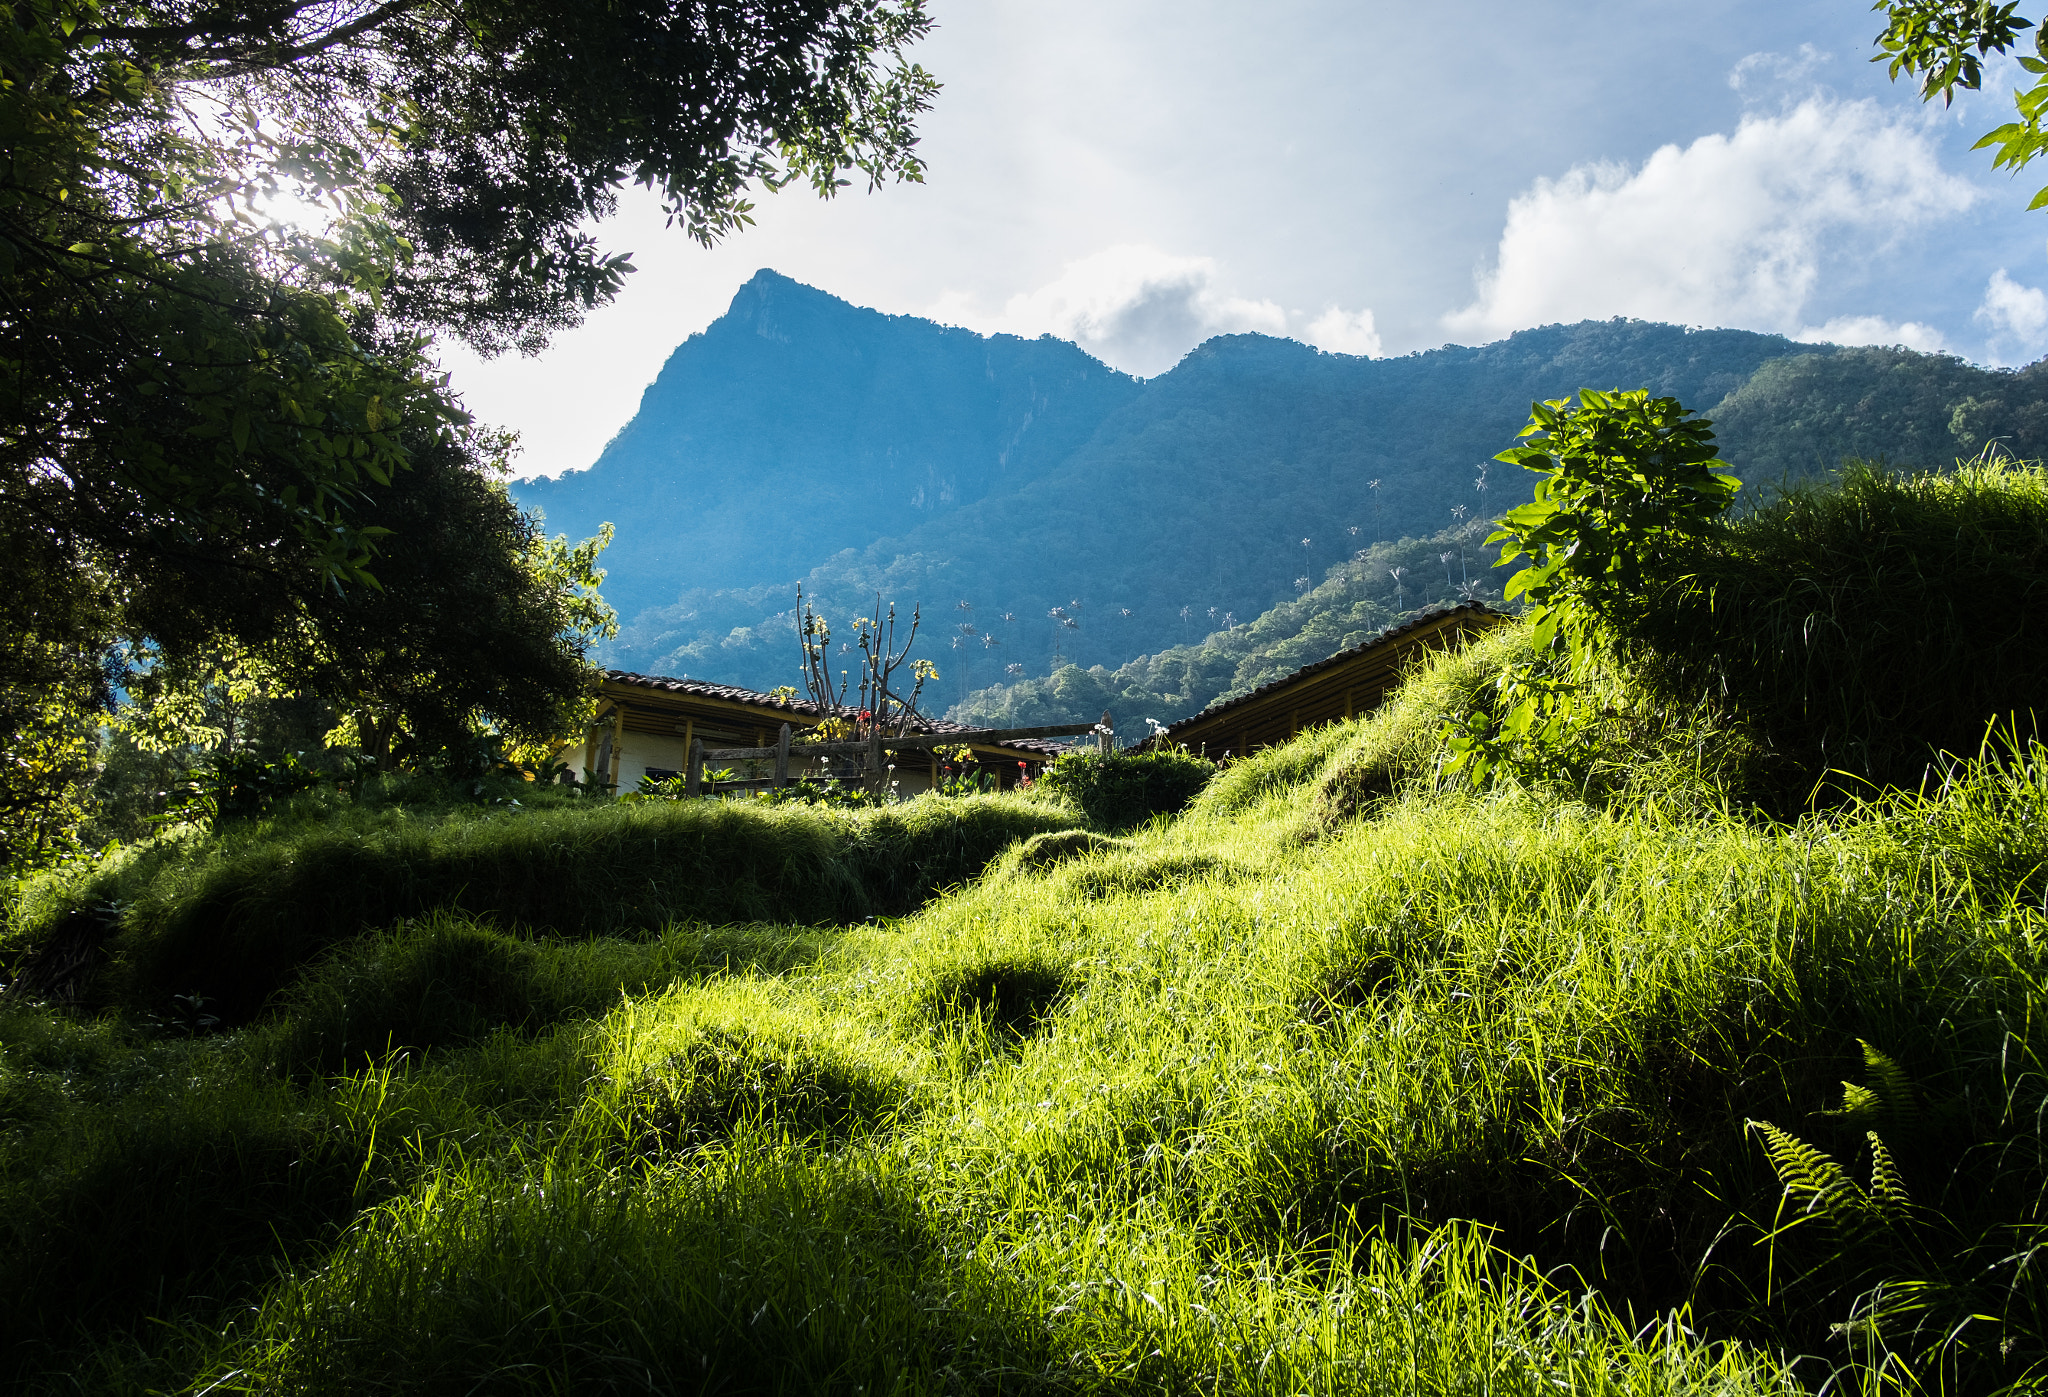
(1334, 1083)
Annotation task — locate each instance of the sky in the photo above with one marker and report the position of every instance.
(1371, 178)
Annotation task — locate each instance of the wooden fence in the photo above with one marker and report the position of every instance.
(872, 749)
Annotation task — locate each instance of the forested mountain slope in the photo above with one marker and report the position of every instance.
(803, 438)
(797, 425)
(1804, 414)
(1355, 601)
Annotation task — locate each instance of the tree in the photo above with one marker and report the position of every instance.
(1942, 44)
(208, 414)
(877, 707)
(1626, 481)
(480, 622)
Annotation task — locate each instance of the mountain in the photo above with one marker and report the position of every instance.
(994, 479)
(1358, 598)
(797, 426)
(1806, 413)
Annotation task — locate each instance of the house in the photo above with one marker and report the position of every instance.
(646, 722)
(1349, 683)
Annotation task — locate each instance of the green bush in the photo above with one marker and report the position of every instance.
(1635, 748)
(1861, 626)
(445, 981)
(1120, 789)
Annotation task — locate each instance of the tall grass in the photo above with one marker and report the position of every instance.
(1449, 1094)
(1862, 625)
(232, 919)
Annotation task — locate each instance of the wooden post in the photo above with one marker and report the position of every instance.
(876, 774)
(618, 742)
(1104, 740)
(782, 758)
(693, 779)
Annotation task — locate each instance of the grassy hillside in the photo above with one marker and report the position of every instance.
(231, 918)
(1337, 1082)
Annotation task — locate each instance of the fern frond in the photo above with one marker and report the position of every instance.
(1893, 1086)
(1858, 1103)
(1814, 1180)
(1887, 1188)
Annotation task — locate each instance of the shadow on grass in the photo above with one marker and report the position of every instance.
(445, 980)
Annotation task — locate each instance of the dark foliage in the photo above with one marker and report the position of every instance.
(1806, 414)
(188, 1207)
(463, 624)
(1862, 627)
(208, 419)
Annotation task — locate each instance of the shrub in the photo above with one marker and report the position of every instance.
(1863, 625)
(1626, 481)
(1121, 789)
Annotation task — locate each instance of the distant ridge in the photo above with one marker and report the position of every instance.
(796, 426)
(801, 438)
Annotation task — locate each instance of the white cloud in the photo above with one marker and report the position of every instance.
(1138, 308)
(1344, 332)
(1775, 69)
(1731, 230)
(1874, 329)
(1142, 309)
(2014, 312)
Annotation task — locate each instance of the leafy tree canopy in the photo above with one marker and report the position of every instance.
(1943, 43)
(209, 413)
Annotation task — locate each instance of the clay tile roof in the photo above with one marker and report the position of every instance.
(732, 693)
(1040, 745)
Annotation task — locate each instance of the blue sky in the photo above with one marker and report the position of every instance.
(1373, 178)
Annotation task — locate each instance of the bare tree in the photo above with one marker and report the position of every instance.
(878, 706)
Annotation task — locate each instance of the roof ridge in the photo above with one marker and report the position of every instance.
(1378, 638)
(735, 693)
